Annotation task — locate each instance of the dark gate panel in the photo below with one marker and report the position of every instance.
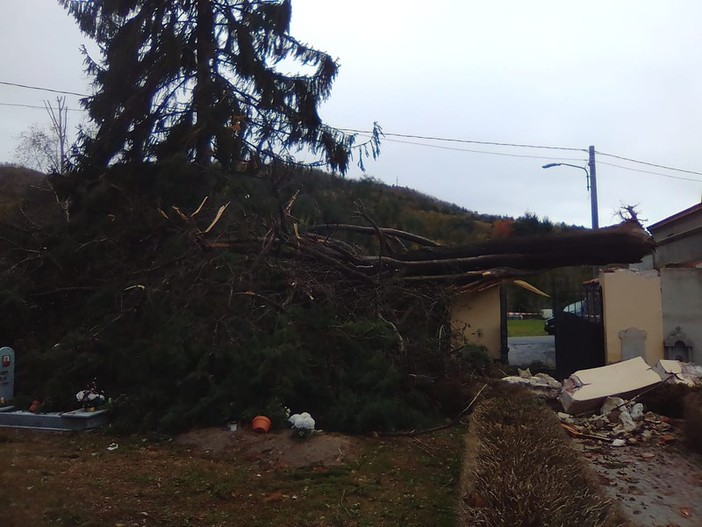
(580, 337)
(579, 344)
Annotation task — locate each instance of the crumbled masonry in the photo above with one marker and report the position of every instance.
(600, 403)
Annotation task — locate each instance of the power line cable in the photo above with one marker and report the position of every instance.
(549, 158)
(650, 164)
(434, 138)
(469, 141)
(505, 154)
(599, 162)
(28, 87)
(671, 176)
(521, 145)
(34, 106)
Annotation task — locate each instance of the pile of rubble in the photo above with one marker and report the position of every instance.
(620, 423)
(600, 403)
(541, 384)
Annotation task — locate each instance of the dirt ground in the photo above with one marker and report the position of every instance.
(216, 477)
(277, 449)
(656, 485)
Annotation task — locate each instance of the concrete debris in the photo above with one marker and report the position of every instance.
(585, 390)
(615, 423)
(637, 412)
(610, 404)
(541, 384)
(615, 409)
(685, 373)
(565, 418)
(546, 378)
(524, 374)
(626, 420)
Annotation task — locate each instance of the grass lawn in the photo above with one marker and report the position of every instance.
(73, 479)
(526, 328)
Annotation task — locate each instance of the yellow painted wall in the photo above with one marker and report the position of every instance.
(477, 317)
(632, 299)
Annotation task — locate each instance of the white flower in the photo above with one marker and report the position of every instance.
(89, 396)
(303, 421)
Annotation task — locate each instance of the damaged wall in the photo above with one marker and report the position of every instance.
(682, 305)
(678, 256)
(632, 300)
(679, 238)
(476, 316)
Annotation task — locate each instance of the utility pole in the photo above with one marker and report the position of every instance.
(591, 175)
(593, 199)
(593, 188)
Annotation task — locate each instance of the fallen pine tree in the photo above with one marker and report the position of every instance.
(192, 312)
(476, 263)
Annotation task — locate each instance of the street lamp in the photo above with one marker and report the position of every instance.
(591, 184)
(587, 174)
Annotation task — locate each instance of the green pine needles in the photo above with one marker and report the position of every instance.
(204, 78)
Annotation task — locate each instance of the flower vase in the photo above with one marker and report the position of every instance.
(261, 424)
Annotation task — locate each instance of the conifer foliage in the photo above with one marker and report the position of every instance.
(204, 78)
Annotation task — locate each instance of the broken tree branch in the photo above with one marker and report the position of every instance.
(362, 229)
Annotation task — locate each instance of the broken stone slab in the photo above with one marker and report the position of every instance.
(54, 421)
(541, 384)
(547, 379)
(7, 374)
(686, 373)
(585, 390)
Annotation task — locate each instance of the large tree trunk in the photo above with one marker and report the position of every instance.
(478, 263)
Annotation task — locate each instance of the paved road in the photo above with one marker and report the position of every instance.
(525, 350)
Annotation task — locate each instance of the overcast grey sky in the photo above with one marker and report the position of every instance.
(625, 76)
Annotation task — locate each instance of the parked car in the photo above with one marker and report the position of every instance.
(576, 308)
(550, 326)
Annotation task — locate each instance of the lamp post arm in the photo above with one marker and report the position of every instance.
(591, 183)
(551, 165)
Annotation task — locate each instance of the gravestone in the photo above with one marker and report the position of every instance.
(677, 346)
(7, 374)
(633, 343)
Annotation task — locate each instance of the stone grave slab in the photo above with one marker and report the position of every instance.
(7, 375)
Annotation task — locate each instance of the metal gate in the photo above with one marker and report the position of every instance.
(580, 334)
